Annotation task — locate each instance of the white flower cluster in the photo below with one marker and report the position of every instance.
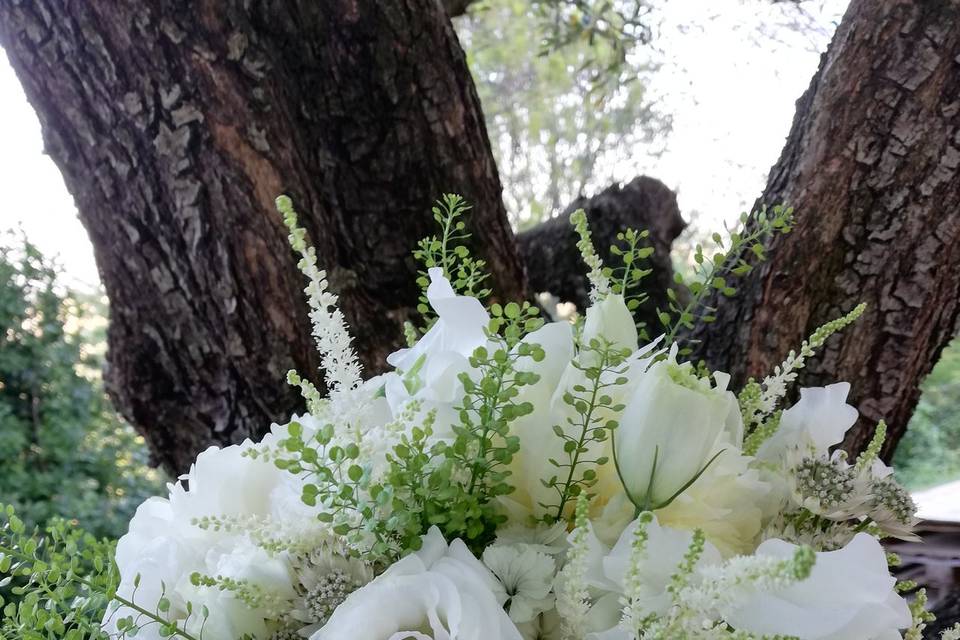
(597, 490)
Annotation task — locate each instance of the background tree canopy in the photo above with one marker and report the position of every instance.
(558, 117)
(63, 449)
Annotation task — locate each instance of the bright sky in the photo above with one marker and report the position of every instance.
(731, 87)
(32, 193)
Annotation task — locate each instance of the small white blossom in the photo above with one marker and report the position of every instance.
(527, 576)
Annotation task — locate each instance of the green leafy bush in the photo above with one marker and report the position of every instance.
(63, 449)
(929, 453)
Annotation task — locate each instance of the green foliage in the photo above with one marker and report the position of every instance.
(556, 120)
(63, 581)
(735, 257)
(450, 483)
(929, 453)
(57, 580)
(627, 278)
(450, 252)
(63, 450)
(602, 366)
(483, 445)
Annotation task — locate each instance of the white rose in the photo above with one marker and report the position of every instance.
(535, 429)
(607, 570)
(670, 429)
(849, 594)
(817, 422)
(438, 593)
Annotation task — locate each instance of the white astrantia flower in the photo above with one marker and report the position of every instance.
(670, 429)
(849, 594)
(441, 592)
(325, 577)
(889, 504)
(526, 575)
(817, 422)
(826, 486)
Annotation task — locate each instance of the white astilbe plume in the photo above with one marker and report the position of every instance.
(573, 599)
(599, 282)
(634, 617)
(758, 401)
(698, 609)
(722, 586)
(337, 356)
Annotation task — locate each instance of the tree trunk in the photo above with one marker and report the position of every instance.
(176, 123)
(871, 167)
(554, 263)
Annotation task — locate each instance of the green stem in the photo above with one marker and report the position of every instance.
(584, 428)
(491, 406)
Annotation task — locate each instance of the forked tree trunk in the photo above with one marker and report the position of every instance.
(176, 123)
(872, 167)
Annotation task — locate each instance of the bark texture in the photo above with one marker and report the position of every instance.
(176, 123)
(553, 261)
(872, 167)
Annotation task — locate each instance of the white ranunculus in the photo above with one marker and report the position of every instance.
(607, 569)
(440, 592)
(849, 594)
(670, 429)
(817, 422)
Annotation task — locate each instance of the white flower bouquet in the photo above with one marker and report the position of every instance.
(512, 479)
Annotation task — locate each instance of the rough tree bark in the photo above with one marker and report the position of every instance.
(872, 167)
(176, 123)
(554, 263)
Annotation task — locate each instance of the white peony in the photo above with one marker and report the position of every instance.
(849, 594)
(440, 592)
(817, 422)
(670, 429)
(163, 547)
